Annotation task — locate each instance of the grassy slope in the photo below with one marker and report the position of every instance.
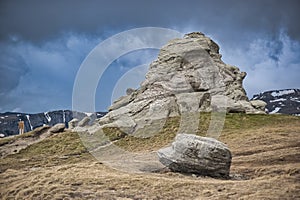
(265, 152)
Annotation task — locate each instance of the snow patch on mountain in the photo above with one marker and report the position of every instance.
(64, 116)
(275, 110)
(28, 118)
(47, 116)
(282, 92)
(88, 114)
(295, 99)
(281, 101)
(277, 100)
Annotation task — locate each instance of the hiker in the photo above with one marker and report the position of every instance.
(21, 127)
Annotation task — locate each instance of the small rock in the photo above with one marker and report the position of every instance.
(258, 104)
(73, 123)
(84, 122)
(129, 91)
(57, 128)
(35, 168)
(64, 157)
(197, 155)
(41, 129)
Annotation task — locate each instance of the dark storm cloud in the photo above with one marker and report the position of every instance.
(11, 69)
(42, 43)
(35, 78)
(276, 48)
(37, 20)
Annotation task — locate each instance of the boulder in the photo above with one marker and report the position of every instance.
(73, 123)
(197, 155)
(57, 128)
(42, 129)
(188, 76)
(258, 104)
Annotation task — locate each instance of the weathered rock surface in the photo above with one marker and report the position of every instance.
(129, 91)
(73, 123)
(57, 128)
(198, 155)
(84, 122)
(188, 76)
(259, 104)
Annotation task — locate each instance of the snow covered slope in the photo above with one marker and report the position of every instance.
(281, 101)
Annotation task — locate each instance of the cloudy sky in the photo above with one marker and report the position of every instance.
(43, 43)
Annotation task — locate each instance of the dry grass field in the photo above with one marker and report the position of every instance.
(265, 165)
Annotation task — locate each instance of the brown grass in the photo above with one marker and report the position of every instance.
(265, 165)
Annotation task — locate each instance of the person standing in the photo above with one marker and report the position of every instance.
(21, 127)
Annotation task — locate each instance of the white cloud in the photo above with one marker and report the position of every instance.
(267, 68)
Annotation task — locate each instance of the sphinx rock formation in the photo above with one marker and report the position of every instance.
(187, 77)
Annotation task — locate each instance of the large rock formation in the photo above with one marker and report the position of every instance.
(188, 76)
(199, 155)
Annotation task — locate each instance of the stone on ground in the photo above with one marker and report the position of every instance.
(258, 104)
(73, 123)
(57, 128)
(84, 122)
(197, 155)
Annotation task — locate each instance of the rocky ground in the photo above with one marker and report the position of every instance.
(265, 165)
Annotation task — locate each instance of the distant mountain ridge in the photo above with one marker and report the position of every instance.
(9, 120)
(285, 101)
